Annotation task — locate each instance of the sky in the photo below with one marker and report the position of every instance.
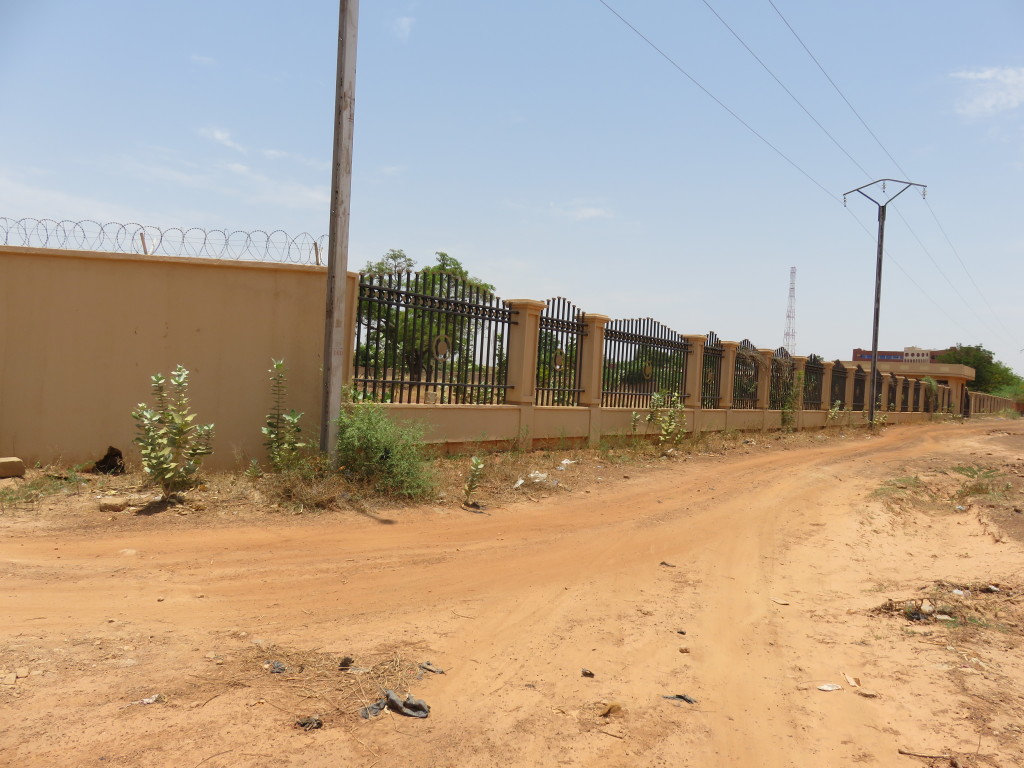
(632, 156)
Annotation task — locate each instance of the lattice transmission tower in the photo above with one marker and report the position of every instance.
(789, 340)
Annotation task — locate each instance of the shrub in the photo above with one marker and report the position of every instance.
(381, 453)
(172, 446)
(667, 413)
(282, 430)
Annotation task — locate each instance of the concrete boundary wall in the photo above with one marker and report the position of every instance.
(81, 333)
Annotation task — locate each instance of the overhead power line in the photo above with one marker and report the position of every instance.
(719, 102)
(843, 149)
(783, 87)
(895, 162)
(779, 152)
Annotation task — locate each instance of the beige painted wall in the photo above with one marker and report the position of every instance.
(82, 332)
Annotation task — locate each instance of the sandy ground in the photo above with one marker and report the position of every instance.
(743, 581)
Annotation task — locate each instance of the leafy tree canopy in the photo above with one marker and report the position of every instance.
(396, 260)
(990, 375)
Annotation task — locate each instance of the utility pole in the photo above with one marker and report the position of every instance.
(337, 348)
(878, 273)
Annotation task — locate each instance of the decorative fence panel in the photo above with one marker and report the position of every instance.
(781, 386)
(917, 395)
(641, 357)
(893, 393)
(429, 337)
(905, 395)
(711, 381)
(814, 373)
(860, 380)
(746, 376)
(838, 393)
(878, 391)
(558, 353)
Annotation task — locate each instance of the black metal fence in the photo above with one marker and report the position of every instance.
(711, 381)
(641, 357)
(814, 373)
(746, 376)
(860, 380)
(559, 350)
(879, 405)
(430, 337)
(893, 392)
(838, 389)
(781, 386)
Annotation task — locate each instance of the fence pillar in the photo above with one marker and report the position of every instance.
(725, 389)
(523, 338)
(592, 372)
(826, 385)
(693, 386)
(957, 395)
(348, 327)
(764, 380)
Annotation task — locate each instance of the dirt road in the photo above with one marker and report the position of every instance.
(742, 581)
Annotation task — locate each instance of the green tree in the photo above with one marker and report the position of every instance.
(990, 375)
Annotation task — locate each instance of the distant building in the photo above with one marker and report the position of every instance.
(908, 355)
(862, 355)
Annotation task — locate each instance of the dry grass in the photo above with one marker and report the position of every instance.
(312, 684)
(962, 608)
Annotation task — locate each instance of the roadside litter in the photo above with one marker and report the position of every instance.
(586, 672)
(410, 707)
(426, 666)
(681, 697)
(154, 699)
(309, 723)
(830, 687)
(275, 667)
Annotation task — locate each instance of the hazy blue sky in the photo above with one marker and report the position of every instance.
(555, 152)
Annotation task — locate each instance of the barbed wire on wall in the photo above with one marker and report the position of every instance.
(112, 236)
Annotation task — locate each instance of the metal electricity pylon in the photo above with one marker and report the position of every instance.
(789, 337)
(878, 272)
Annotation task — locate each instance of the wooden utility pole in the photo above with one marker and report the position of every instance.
(337, 349)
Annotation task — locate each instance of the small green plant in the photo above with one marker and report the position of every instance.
(667, 413)
(790, 401)
(476, 471)
(834, 412)
(880, 420)
(171, 444)
(283, 433)
(634, 422)
(379, 452)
